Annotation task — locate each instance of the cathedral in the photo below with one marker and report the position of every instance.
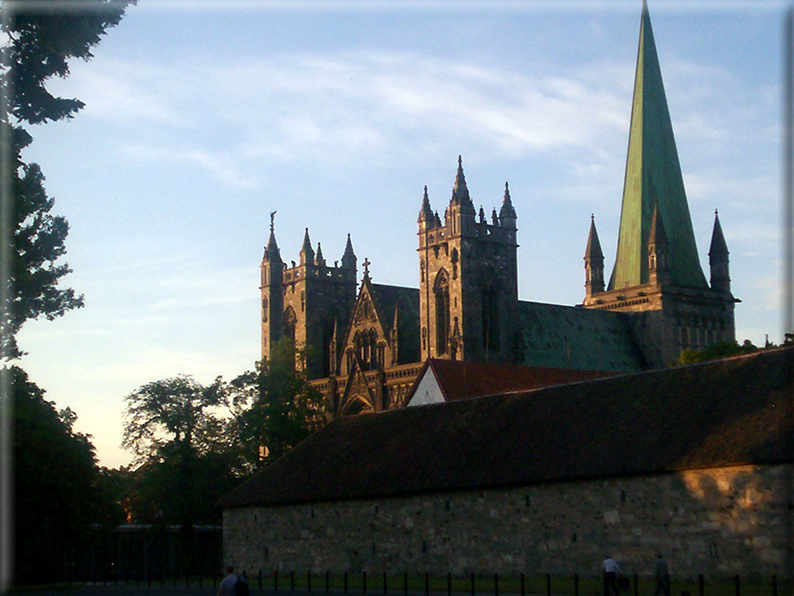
(367, 342)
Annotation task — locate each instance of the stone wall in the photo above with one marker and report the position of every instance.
(717, 522)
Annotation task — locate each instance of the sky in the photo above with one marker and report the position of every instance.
(203, 117)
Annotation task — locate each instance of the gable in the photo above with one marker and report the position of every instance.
(450, 380)
(426, 389)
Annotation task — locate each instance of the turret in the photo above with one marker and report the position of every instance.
(460, 215)
(460, 191)
(272, 277)
(658, 252)
(718, 259)
(349, 257)
(593, 262)
(318, 258)
(426, 219)
(507, 214)
(307, 253)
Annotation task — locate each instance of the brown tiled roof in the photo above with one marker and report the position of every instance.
(462, 380)
(726, 412)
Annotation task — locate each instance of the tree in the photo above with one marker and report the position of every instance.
(36, 244)
(43, 35)
(40, 39)
(276, 408)
(55, 488)
(169, 425)
(722, 349)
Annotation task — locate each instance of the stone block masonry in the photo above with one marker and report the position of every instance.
(717, 522)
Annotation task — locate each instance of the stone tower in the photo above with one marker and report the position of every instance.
(309, 302)
(468, 284)
(657, 274)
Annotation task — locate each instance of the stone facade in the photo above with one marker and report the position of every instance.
(467, 306)
(308, 301)
(717, 522)
(468, 285)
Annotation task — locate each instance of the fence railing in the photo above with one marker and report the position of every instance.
(535, 584)
(418, 584)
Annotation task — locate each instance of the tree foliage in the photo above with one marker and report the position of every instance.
(722, 349)
(172, 416)
(55, 481)
(173, 428)
(276, 406)
(43, 35)
(36, 244)
(40, 39)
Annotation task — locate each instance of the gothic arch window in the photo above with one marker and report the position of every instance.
(382, 355)
(441, 292)
(303, 301)
(490, 318)
(358, 347)
(289, 323)
(365, 344)
(264, 310)
(454, 259)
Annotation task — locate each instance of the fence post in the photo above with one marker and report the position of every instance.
(700, 584)
(292, 581)
(636, 589)
(575, 584)
(548, 584)
(472, 583)
(405, 583)
(496, 584)
(275, 580)
(774, 585)
(738, 584)
(327, 581)
(345, 582)
(259, 580)
(385, 589)
(364, 580)
(523, 591)
(449, 583)
(309, 580)
(427, 584)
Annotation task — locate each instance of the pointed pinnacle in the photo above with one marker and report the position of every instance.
(593, 250)
(507, 211)
(425, 213)
(657, 234)
(460, 191)
(718, 245)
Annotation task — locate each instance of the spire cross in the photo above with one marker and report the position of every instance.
(366, 264)
(272, 217)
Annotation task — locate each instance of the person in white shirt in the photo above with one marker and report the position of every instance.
(611, 571)
(227, 585)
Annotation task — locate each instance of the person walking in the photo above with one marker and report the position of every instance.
(662, 577)
(227, 587)
(611, 570)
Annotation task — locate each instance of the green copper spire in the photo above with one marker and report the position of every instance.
(653, 180)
